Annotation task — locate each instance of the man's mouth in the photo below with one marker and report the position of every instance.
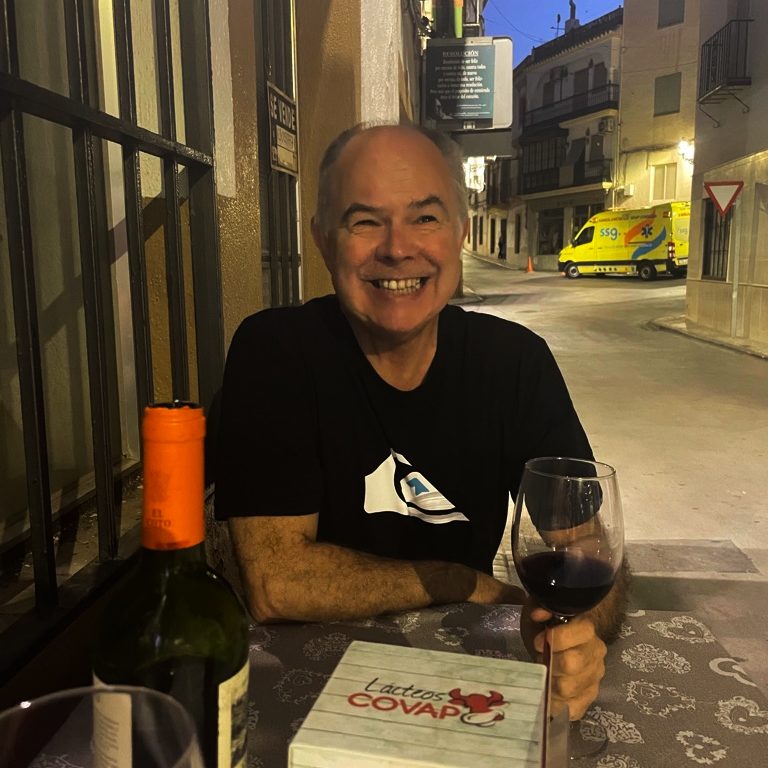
(403, 285)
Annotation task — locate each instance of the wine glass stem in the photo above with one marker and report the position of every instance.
(555, 621)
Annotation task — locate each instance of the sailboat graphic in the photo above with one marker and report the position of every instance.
(395, 486)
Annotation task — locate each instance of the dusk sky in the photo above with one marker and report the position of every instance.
(532, 22)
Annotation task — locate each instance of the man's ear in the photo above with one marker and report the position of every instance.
(464, 230)
(322, 241)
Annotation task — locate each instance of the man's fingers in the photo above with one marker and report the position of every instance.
(574, 633)
(577, 706)
(540, 614)
(570, 685)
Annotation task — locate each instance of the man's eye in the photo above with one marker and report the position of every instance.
(364, 224)
(427, 218)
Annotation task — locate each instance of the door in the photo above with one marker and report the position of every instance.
(580, 88)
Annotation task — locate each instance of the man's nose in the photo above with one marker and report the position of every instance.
(398, 242)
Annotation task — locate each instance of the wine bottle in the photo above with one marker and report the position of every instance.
(174, 624)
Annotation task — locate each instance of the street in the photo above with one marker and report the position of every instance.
(685, 423)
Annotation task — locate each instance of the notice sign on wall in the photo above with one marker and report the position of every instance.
(284, 145)
(460, 79)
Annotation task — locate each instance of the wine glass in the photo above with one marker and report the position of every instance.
(568, 546)
(99, 727)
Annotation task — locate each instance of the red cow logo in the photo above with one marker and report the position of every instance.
(483, 710)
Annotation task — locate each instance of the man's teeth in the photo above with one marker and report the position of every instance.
(401, 286)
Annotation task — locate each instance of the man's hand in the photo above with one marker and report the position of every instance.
(578, 657)
(492, 591)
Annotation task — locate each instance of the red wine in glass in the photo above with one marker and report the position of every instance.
(568, 546)
(564, 582)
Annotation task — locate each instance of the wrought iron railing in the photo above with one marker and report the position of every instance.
(603, 97)
(541, 181)
(597, 170)
(725, 61)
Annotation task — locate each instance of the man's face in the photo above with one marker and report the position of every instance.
(395, 233)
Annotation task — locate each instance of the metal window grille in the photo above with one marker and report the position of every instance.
(280, 245)
(717, 237)
(191, 265)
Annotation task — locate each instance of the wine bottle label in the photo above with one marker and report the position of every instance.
(112, 746)
(233, 720)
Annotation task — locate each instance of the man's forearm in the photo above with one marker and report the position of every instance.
(609, 614)
(328, 582)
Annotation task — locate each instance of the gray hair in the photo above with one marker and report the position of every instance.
(449, 149)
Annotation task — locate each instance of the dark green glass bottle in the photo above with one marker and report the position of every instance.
(174, 624)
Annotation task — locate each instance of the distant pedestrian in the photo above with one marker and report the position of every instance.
(502, 244)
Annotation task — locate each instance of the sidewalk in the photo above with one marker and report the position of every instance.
(681, 324)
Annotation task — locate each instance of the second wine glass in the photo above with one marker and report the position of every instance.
(99, 727)
(568, 547)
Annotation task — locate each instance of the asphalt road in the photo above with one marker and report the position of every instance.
(684, 422)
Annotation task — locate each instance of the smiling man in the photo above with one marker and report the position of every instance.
(370, 440)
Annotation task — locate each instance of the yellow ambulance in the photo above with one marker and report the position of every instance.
(644, 242)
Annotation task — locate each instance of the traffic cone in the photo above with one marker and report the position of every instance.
(529, 268)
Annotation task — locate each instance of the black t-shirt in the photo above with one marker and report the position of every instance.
(308, 426)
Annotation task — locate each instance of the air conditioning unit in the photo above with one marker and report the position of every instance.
(606, 125)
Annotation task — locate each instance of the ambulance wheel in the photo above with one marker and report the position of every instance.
(646, 270)
(572, 270)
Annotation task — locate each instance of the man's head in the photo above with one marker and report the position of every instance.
(449, 149)
(390, 223)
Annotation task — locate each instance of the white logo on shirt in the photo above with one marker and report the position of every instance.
(394, 486)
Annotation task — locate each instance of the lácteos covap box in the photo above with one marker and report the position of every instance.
(388, 705)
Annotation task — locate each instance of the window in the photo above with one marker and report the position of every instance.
(667, 94)
(549, 153)
(109, 283)
(482, 221)
(671, 12)
(550, 231)
(585, 236)
(664, 181)
(548, 97)
(717, 236)
(583, 213)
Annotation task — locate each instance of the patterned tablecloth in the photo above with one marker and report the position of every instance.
(672, 697)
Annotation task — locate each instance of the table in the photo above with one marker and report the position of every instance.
(671, 697)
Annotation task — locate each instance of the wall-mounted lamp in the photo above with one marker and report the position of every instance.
(686, 150)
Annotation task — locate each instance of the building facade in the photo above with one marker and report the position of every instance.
(562, 146)
(605, 118)
(727, 288)
(657, 109)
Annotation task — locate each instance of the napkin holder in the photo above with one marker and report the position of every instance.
(395, 706)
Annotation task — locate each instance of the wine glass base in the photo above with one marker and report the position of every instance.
(585, 738)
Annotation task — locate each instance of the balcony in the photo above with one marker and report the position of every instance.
(566, 176)
(595, 171)
(725, 62)
(541, 181)
(602, 97)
